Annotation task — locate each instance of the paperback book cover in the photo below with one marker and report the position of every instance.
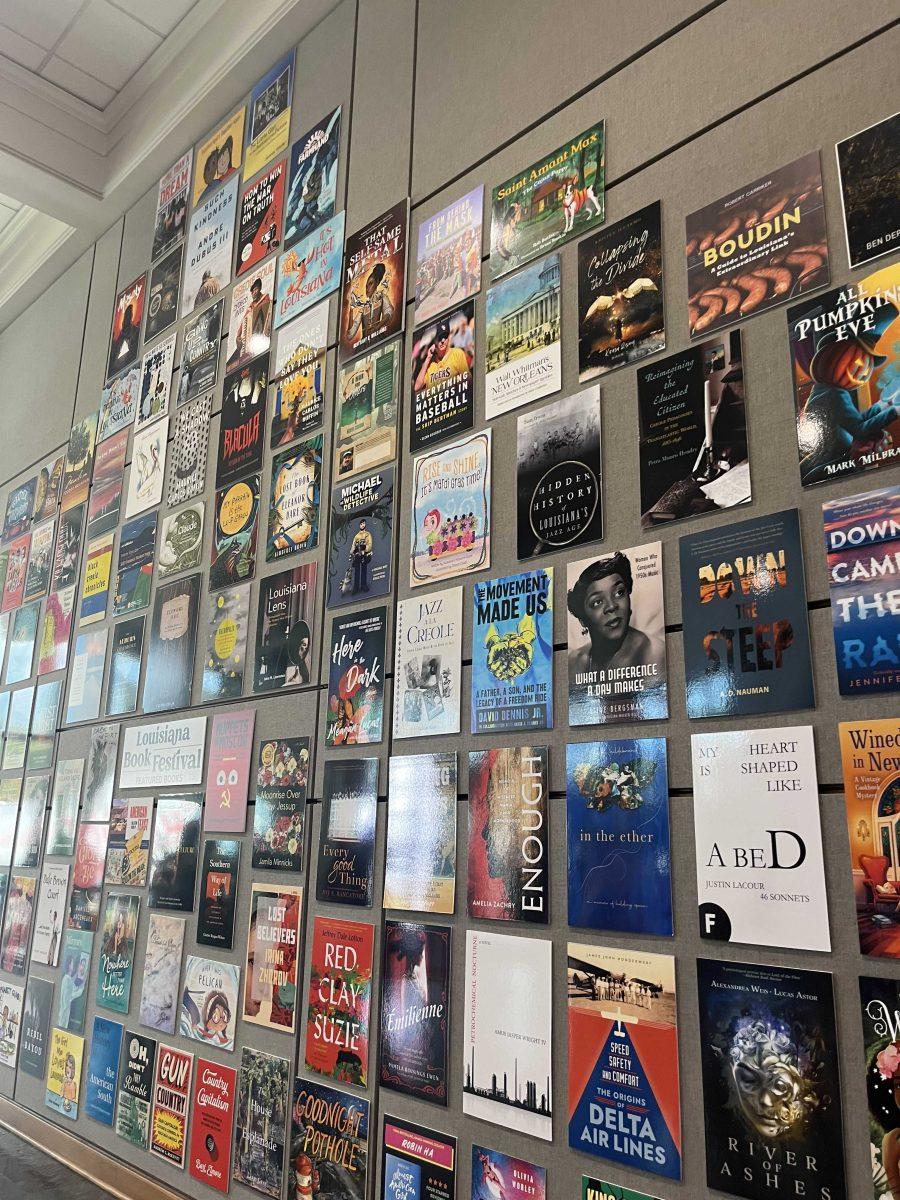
(624, 1103)
(273, 955)
(242, 421)
(744, 618)
(218, 893)
(103, 1071)
(200, 353)
(50, 916)
(506, 1032)
(298, 377)
(125, 667)
(169, 673)
(35, 1034)
(67, 552)
(19, 506)
(209, 1001)
(879, 1001)
(760, 866)
(340, 993)
(79, 462)
(173, 859)
(212, 1124)
(448, 257)
(228, 771)
(20, 657)
(559, 475)
(693, 430)
(872, 797)
(37, 577)
(72, 996)
(128, 848)
(235, 533)
(282, 777)
(415, 1010)
(862, 545)
(365, 433)
(115, 962)
(46, 492)
(148, 468)
(250, 322)
(190, 447)
(428, 664)
(420, 866)
(512, 652)
(617, 836)
(523, 353)
(10, 1022)
(181, 540)
(87, 877)
(313, 182)
(284, 615)
(30, 830)
(162, 970)
(118, 404)
(135, 1093)
(259, 222)
(227, 619)
(106, 488)
(548, 202)
(416, 1161)
(172, 206)
(63, 1092)
(765, 1032)
(171, 1098)
(42, 738)
(329, 1142)
(137, 545)
(269, 115)
(373, 295)
(620, 294)
(310, 270)
(294, 500)
(443, 378)
(156, 381)
(208, 252)
(64, 806)
(494, 1173)
(101, 772)
(867, 166)
(163, 293)
(128, 315)
(509, 828)
(346, 856)
(263, 1099)
(95, 587)
(361, 538)
(18, 724)
(16, 573)
(53, 648)
(451, 511)
(616, 637)
(356, 679)
(845, 360)
(757, 247)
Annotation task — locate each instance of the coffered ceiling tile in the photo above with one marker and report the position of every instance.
(41, 21)
(77, 83)
(107, 43)
(21, 50)
(161, 15)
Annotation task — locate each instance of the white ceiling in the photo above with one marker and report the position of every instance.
(99, 97)
(89, 48)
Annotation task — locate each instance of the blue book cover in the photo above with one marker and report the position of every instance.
(617, 811)
(862, 543)
(744, 618)
(103, 1071)
(512, 652)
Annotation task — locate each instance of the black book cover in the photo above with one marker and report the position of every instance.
(242, 422)
(347, 832)
(173, 858)
(218, 892)
(282, 779)
(36, 1026)
(200, 353)
(361, 528)
(173, 640)
(125, 667)
(284, 629)
(772, 1095)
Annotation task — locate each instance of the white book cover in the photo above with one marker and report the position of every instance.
(51, 912)
(10, 1022)
(428, 664)
(507, 1023)
(758, 833)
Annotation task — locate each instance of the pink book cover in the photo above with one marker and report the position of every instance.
(228, 773)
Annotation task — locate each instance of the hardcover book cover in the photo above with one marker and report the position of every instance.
(259, 221)
(227, 620)
(228, 771)
(506, 1032)
(63, 1092)
(448, 256)
(163, 293)
(162, 970)
(125, 667)
(512, 652)
(508, 848)
(101, 772)
(64, 806)
(373, 295)
(263, 1099)
(37, 577)
(285, 610)
(118, 404)
(200, 353)
(79, 461)
(212, 1124)
(620, 294)
(103, 1070)
(11, 1023)
(250, 322)
(420, 863)
(443, 378)
(243, 420)
(523, 353)
(361, 538)
(71, 999)
(50, 916)
(339, 998)
(190, 449)
(416, 1161)
(172, 205)
(294, 500)
(617, 836)
(744, 618)
(135, 1094)
(209, 1001)
(273, 953)
(169, 674)
(137, 543)
(235, 533)
(766, 1031)
(298, 377)
(760, 866)
(310, 270)
(415, 1010)
(173, 858)
(513, 1178)
(313, 179)
(867, 165)
(282, 777)
(879, 1002)
(35, 1028)
(128, 315)
(87, 877)
(623, 1058)
(428, 664)
(208, 251)
(30, 830)
(365, 435)
(346, 857)
(356, 679)
(181, 540)
(218, 893)
(757, 247)
(148, 467)
(329, 1141)
(157, 366)
(171, 1096)
(450, 533)
(269, 115)
(67, 552)
(128, 849)
(115, 963)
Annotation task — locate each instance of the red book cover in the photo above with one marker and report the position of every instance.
(259, 229)
(212, 1124)
(228, 774)
(340, 986)
(171, 1090)
(16, 570)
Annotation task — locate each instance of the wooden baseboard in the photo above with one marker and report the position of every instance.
(101, 1169)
